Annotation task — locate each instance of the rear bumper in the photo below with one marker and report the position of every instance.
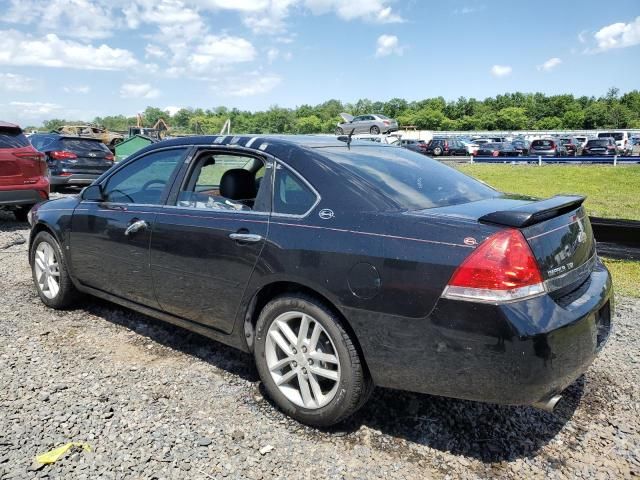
(18, 198)
(74, 179)
(518, 353)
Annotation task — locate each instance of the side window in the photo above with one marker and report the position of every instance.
(144, 180)
(292, 196)
(226, 182)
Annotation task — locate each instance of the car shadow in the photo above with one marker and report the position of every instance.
(176, 338)
(490, 433)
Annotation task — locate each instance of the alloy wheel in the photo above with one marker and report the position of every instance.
(47, 270)
(302, 360)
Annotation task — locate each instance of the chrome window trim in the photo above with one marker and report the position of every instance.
(213, 210)
(304, 180)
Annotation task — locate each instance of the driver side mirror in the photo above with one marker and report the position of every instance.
(93, 193)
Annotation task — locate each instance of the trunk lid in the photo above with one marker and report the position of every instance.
(93, 155)
(557, 230)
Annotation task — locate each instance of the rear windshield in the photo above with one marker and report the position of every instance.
(382, 117)
(542, 143)
(40, 142)
(492, 146)
(597, 143)
(615, 135)
(12, 138)
(81, 145)
(412, 181)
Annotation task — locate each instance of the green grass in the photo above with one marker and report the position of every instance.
(626, 276)
(612, 192)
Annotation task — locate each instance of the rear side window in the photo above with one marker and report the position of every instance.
(292, 196)
(12, 138)
(408, 179)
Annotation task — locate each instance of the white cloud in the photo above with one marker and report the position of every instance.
(501, 70)
(76, 18)
(468, 10)
(549, 64)
(34, 109)
(172, 109)
(83, 89)
(138, 90)
(13, 82)
(377, 11)
(215, 52)
(254, 83)
(52, 51)
(154, 51)
(387, 45)
(617, 35)
(582, 36)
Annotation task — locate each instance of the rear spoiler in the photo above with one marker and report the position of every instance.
(534, 212)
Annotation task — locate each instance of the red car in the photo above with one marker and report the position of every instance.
(23, 172)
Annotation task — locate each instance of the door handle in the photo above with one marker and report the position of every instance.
(136, 227)
(245, 237)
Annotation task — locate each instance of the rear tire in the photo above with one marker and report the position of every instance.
(339, 131)
(50, 273)
(322, 379)
(437, 151)
(22, 212)
(374, 130)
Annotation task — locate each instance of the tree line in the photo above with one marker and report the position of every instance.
(511, 111)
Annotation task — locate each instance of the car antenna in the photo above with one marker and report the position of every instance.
(349, 138)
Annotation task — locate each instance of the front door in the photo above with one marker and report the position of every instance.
(204, 247)
(110, 238)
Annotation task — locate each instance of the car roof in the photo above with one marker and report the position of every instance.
(8, 125)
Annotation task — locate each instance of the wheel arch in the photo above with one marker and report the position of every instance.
(42, 227)
(270, 291)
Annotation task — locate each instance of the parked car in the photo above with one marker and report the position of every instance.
(572, 144)
(621, 139)
(346, 266)
(446, 147)
(547, 147)
(23, 172)
(601, 147)
(372, 123)
(111, 139)
(73, 161)
(471, 146)
(582, 139)
(502, 149)
(419, 146)
(521, 146)
(389, 139)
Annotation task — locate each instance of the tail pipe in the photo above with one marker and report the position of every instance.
(549, 404)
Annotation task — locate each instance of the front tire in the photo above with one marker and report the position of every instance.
(50, 273)
(374, 130)
(308, 362)
(339, 131)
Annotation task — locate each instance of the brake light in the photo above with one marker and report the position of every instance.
(386, 122)
(501, 269)
(109, 157)
(33, 156)
(495, 153)
(62, 155)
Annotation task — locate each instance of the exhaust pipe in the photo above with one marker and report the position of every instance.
(548, 405)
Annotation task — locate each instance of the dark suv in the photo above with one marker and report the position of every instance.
(600, 146)
(446, 147)
(73, 160)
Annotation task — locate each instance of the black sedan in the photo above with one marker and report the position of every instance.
(72, 161)
(503, 149)
(340, 265)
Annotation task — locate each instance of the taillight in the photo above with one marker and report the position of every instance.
(62, 155)
(386, 122)
(33, 156)
(446, 145)
(495, 153)
(109, 157)
(501, 269)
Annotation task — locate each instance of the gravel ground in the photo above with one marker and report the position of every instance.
(155, 401)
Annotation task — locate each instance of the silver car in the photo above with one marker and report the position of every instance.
(370, 123)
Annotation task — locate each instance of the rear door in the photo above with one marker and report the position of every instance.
(110, 238)
(206, 241)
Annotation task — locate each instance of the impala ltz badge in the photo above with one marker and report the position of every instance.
(326, 214)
